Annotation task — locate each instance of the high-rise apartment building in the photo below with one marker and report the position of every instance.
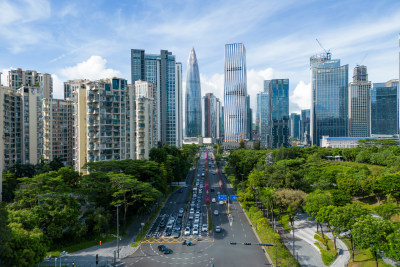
(384, 108)
(295, 125)
(144, 116)
(278, 113)
(235, 93)
(18, 78)
(166, 74)
(100, 123)
(305, 126)
(193, 97)
(329, 101)
(360, 103)
(57, 130)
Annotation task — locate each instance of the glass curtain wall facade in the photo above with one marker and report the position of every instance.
(295, 125)
(384, 108)
(235, 93)
(264, 118)
(329, 96)
(278, 105)
(305, 125)
(360, 104)
(193, 97)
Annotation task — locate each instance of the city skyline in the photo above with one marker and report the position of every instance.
(82, 51)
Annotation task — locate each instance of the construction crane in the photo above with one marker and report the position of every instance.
(363, 58)
(328, 53)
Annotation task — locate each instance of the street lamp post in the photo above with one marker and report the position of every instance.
(293, 247)
(62, 254)
(242, 176)
(117, 206)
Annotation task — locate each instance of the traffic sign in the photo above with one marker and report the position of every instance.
(233, 197)
(222, 197)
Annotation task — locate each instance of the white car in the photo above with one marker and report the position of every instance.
(190, 216)
(216, 212)
(221, 202)
(213, 200)
(196, 220)
(187, 231)
(218, 229)
(204, 228)
(195, 231)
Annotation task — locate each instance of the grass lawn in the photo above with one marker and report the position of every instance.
(327, 248)
(363, 257)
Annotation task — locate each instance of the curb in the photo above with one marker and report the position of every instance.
(255, 232)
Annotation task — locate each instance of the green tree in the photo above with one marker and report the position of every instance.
(390, 184)
(10, 184)
(340, 197)
(316, 201)
(28, 247)
(290, 200)
(344, 218)
(371, 233)
(393, 248)
(387, 210)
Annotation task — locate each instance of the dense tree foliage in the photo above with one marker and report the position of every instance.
(338, 188)
(49, 205)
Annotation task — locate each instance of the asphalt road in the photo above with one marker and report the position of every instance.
(208, 248)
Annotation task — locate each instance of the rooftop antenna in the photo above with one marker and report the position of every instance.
(328, 53)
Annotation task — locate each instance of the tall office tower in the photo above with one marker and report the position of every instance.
(166, 75)
(329, 98)
(193, 97)
(18, 78)
(360, 103)
(218, 118)
(221, 124)
(100, 114)
(249, 119)
(210, 116)
(384, 109)
(264, 117)
(278, 111)
(295, 125)
(57, 130)
(235, 93)
(305, 126)
(257, 122)
(145, 119)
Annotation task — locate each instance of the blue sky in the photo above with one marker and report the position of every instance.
(92, 39)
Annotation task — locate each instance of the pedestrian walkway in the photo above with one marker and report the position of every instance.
(307, 252)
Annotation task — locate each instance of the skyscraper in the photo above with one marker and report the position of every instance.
(249, 119)
(193, 97)
(235, 93)
(384, 109)
(295, 125)
(305, 126)
(360, 103)
(329, 98)
(278, 111)
(264, 117)
(209, 106)
(166, 74)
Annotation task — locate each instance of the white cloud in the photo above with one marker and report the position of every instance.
(4, 74)
(300, 98)
(23, 11)
(92, 69)
(58, 87)
(213, 84)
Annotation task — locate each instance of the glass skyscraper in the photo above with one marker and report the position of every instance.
(295, 125)
(360, 103)
(329, 98)
(235, 93)
(278, 111)
(384, 110)
(305, 125)
(166, 74)
(193, 97)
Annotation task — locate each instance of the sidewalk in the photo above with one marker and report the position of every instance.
(308, 253)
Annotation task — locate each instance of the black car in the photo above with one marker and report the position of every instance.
(161, 247)
(212, 189)
(162, 223)
(168, 251)
(168, 232)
